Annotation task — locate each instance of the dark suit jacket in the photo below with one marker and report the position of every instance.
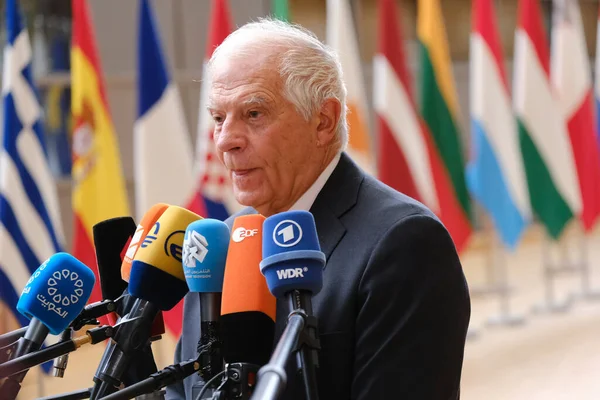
(394, 309)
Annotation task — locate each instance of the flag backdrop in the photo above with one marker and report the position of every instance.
(571, 77)
(405, 145)
(98, 184)
(214, 196)
(341, 36)
(161, 141)
(439, 108)
(545, 146)
(495, 175)
(30, 222)
(281, 10)
(597, 76)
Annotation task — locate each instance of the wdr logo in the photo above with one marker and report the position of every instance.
(291, 273)
(287, 233)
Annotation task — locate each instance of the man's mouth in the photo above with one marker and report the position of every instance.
(241, 172)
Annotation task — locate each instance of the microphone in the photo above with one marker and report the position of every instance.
(293, 267)
(204, 255)
(157, 283)
(52, 298)
(142, 230)
(112, 238)
(247, 311)
(147, 222)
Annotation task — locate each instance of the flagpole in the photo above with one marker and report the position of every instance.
(550, 270)
(500, 268)
(587, 292)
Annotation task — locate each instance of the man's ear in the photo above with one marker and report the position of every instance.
(328, 116)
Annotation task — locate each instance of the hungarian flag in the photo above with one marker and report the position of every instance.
(213, 197)
(495, 174)
(98, 184)
(341, 36)
(440, 111)
(571, 77)
(543, 134)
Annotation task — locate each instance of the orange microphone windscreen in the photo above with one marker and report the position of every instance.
(244, 287)
(248, 309)
(147, 222)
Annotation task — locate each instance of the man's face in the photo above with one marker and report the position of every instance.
(268, 148)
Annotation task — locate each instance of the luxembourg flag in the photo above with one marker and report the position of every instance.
(214, 196)
(162, 149)
(496, 175)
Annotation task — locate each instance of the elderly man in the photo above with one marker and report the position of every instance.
(394, 309)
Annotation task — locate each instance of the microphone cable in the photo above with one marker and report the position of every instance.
(210, 381)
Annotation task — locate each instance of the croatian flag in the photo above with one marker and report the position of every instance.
(495, 175)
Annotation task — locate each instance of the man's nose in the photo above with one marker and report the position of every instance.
(231, 137)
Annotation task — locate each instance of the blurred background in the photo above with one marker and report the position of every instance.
(535, 308)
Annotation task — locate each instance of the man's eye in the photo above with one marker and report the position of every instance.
(217, 118)
(254, 114)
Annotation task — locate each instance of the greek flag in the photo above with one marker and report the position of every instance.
(30, 225)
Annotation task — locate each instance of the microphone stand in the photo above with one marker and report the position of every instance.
(299, 336)
(10, 337)
(29, 360)
(238, 381)
(76, 395)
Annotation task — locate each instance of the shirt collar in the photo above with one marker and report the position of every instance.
(306, 201)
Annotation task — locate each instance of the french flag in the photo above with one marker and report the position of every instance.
(213, 197)
(495, 175)
(163, 155)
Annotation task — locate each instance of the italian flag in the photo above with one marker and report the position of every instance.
(543, 134)
(440, 112)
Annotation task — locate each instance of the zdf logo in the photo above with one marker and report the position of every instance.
(242, 233)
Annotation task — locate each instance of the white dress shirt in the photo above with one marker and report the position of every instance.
(306, 201)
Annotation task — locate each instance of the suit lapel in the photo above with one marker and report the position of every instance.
(337, 197)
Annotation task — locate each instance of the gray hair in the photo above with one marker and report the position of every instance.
(311, 71)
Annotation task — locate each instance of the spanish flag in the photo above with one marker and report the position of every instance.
(440, 111)
(98, 183)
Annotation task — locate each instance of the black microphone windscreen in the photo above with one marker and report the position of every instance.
(247, 337)
(111, 238)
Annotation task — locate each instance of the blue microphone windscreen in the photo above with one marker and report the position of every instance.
(57, 292)
(292, 257)
(204, 254)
